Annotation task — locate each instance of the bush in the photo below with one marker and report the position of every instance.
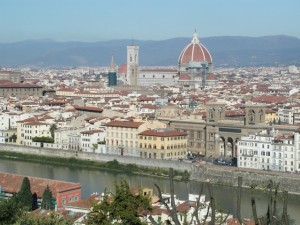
(43, 139)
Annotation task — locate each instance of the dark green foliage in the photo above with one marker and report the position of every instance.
(47, 199)
(123, 207)
(43, 139)
(52, 129)
(34, 202)
(9, 211)
(13, 138)
(25, 195)
(52, 219)
(185, 175)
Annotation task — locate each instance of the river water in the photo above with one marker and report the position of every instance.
(96, 181)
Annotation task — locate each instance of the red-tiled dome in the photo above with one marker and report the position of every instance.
(211, 76)
(195, 52)
(122, 69)
(184, 76)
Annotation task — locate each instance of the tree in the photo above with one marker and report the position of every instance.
(53, 127)
(49, 219)
(122, 208)
(9, 211)
(34, 202)
(25, 195)
(43, 139)
(47, 199)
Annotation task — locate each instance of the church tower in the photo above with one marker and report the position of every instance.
(132, 65)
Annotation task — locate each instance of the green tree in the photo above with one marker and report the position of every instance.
(43, 139)
(25, 195)
(49, 219)
(53, 127)
(47, 199)
(9, 211)
(34, 202)
(123, 208)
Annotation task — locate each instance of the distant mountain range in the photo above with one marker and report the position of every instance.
(228, 51)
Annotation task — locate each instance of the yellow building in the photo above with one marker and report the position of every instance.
(162, 144)
(270, 116)
(122, 136)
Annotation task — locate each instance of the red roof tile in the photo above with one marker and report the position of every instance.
(128, 124)
(12, 184)
(163, 133)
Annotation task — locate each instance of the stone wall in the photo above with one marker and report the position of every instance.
(182, 166)
(229, 176)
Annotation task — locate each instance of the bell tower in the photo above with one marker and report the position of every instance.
(215, 111)
(255, 114)
(132, 64)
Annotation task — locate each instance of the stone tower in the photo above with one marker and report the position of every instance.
(132, 64)
(215, 111)
(255, 114)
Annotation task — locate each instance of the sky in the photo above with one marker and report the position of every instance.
(98, 20)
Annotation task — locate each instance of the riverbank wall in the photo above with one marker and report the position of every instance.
(153, 163)
(198, 171)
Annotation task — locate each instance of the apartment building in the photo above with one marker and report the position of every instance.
(122, 136)
(162, 144)
(287, 114)
(274, 152)
(89, 139)
(29, 128)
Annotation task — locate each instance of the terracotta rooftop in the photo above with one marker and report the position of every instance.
(88, 108)
(19, 85)
(163, 133)
(128, 124)
(12, 184)
(91, 131)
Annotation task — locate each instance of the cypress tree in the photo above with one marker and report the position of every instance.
(34, 201)
(25, 195)
(47, 199)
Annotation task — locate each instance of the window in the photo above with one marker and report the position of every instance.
(64, 200)
(70, 198)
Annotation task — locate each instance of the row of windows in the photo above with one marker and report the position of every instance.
(162, 146)
(70, 198)
(162, 138)
(121, 135)
(121, 128)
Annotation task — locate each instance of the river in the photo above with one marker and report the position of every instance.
(97, 180)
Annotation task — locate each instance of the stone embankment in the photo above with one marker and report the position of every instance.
(199, 171)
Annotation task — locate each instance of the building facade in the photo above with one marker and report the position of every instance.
(162, 144)
(19, 90)
(273, 151)
(166, 77)
(122, 136)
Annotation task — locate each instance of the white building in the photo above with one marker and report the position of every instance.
(2, 137)
(89, 139)
(287, 114)
(293, 69)
(148, 77)
(9, 120)
(274, 152)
